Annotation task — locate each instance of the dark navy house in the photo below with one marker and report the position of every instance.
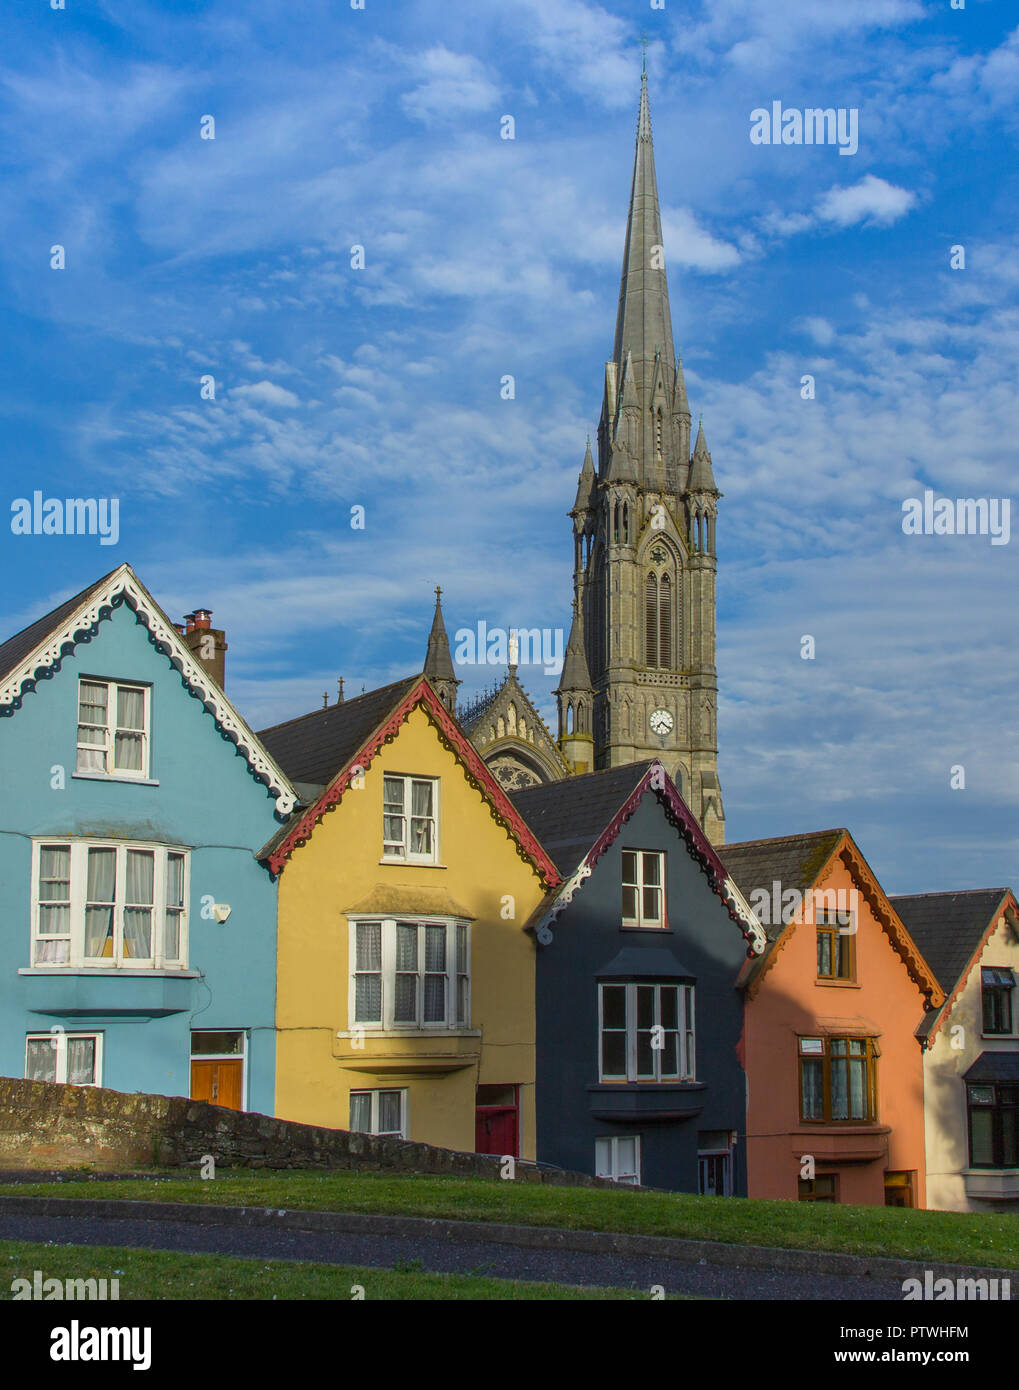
(639, 1010)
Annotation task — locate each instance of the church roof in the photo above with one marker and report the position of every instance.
(438, 661)
(702, 478)
(644, 320)
(575, 674)
(585, 483)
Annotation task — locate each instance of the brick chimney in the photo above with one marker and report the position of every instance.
(206, 643)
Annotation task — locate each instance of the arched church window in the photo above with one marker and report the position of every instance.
(651, 620)
(615, 523)
(569, 718)
(665, 622)
(626, 523)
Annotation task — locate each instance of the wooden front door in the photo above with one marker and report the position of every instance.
(220, 1082)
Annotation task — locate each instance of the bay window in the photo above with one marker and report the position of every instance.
(838, 1079)
(109, 905)
(410, 974)
(647, 1032)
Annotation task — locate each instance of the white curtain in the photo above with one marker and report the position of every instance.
(92, 727)
(130, 726)
(41, 1060)
(138, 916)
(421, 825)
(99, 894)
(81, 1061)
(174, 906)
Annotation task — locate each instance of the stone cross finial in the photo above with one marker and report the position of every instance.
(514, 649)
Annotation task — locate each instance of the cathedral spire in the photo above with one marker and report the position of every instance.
(438, 661)
(644, 321)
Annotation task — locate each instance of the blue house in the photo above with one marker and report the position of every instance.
(639, 1009)
(138, 949)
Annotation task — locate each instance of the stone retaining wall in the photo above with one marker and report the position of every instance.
(45, 1125)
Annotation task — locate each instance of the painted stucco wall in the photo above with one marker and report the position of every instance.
(585, 938)
(206, 799)
(337, 869)
(789, 1002)
(957, 1044)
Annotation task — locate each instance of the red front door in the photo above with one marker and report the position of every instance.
(496, 1127)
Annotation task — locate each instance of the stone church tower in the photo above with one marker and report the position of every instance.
(639, 678)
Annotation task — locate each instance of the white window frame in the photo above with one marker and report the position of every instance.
(611, 1168)
(77, 960)
(57, 1039)
(108, 747)
(388, 972)
(375, 1094)
(403, 853)
(686, 1029)
(640, 920)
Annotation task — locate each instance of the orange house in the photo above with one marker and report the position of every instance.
(834, 1069)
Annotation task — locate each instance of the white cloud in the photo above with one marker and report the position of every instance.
(453, 83)
(872, 201)
(267, 393)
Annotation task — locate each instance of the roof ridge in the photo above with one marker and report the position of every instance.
(778, 839)
(315, 713)
(950, 893)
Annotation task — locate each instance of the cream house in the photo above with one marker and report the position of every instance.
(971, 1047)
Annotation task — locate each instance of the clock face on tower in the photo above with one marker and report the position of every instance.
(660, 722)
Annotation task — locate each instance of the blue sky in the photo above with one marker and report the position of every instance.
(485, 257)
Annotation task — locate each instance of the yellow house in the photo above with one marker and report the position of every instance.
(405, 1000)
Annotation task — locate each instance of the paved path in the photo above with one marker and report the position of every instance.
(448, 1256)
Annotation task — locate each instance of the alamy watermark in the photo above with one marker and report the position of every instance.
(776, 906)
(39, 1288)
(814, 125)
(523, 646)
(67, 516)
(961, 516)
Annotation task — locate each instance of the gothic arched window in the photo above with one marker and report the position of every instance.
(665, 622)
(615, 523)
(651, 620)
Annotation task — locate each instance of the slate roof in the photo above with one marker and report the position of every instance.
(14, 651)
(794, 860)
(315, 746)
(948, 927)
(568, 816)
(994, 1066)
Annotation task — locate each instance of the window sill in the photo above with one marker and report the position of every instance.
(113, 777)
(837, 984)
(414, 863)
(635, 926)
(142, 973)
(365, 1032)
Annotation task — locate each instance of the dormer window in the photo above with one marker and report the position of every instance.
(113, 729)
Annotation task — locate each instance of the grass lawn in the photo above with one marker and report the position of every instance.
(950, 1237)
(171, 1275)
